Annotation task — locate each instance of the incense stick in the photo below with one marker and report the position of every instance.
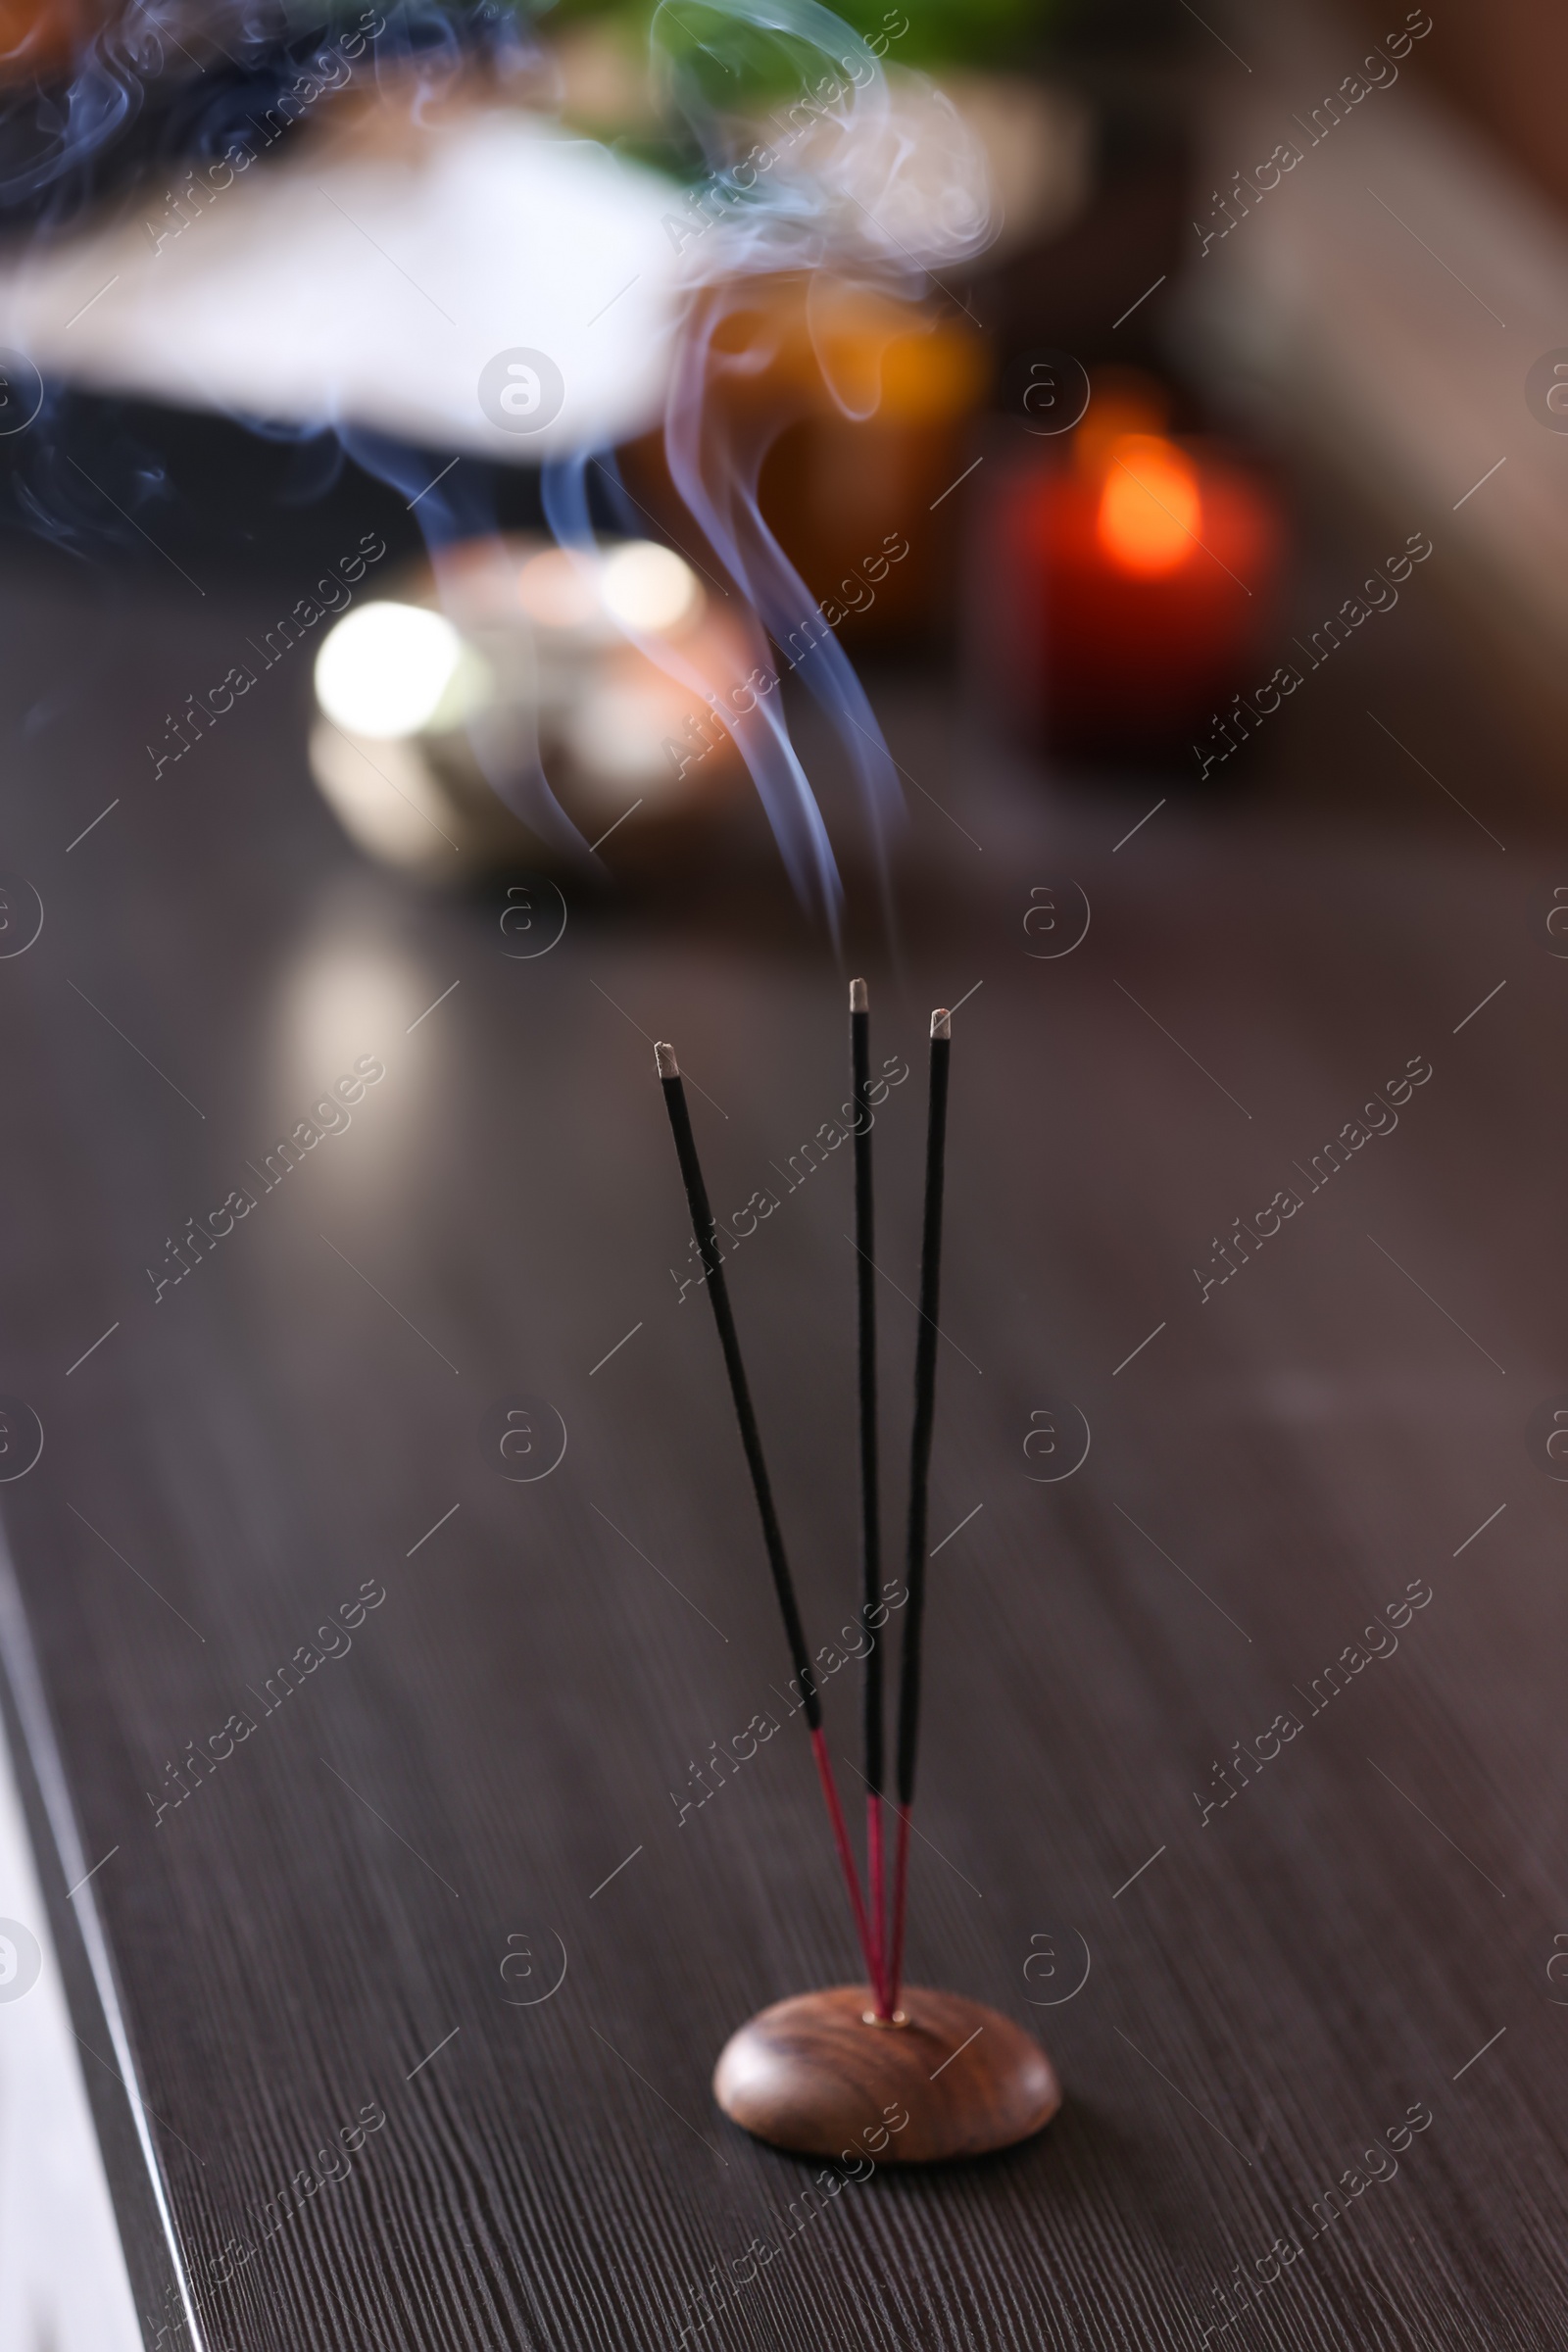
(870, 1499)
(925, 1385)
(702, 1226)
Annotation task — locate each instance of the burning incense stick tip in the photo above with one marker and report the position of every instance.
(941, 1023)
(664, 1061)
(860, 1000)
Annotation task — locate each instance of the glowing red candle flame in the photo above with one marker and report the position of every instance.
(1150, 511)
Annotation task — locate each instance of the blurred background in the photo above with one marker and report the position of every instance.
(1265, 311)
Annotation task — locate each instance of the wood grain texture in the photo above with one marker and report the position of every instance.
(365, 1909)
(821, 2075)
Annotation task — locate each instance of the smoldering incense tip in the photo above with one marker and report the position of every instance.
(859, 998)
(941, 1023)
(665, 1062)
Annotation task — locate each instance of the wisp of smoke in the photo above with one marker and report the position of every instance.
(863, 186)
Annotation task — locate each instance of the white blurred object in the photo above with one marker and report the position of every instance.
(645, 586)
(64, 2285)
(374, 287)
(387, 669)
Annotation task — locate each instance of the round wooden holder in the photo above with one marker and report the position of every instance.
(819, 2074)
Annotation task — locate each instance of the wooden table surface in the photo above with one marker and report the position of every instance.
(351, 1934)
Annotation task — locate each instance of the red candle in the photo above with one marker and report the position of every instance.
(1136, 577)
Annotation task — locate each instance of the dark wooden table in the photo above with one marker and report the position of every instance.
(363, 1910)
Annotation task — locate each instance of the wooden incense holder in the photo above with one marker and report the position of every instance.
(819, 2074)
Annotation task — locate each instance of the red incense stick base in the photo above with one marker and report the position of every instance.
(818, 2075)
